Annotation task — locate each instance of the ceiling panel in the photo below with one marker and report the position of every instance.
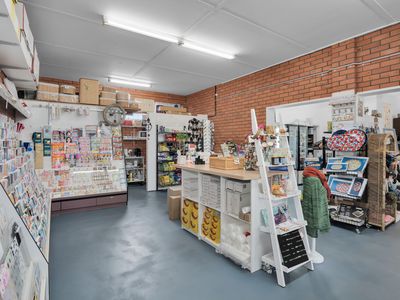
(176, 82)
(392, 7)
(176, 57)
(97, 64)
(251, 44)
(314, 23)
(170, 16)
(63, 30)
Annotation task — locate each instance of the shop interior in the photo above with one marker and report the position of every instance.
(155, 165)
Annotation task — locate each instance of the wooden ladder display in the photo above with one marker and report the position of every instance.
(280, 239)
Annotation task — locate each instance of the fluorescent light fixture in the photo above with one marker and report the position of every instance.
(157, 35)
(207, 50)
(129, 82)
(165, 37)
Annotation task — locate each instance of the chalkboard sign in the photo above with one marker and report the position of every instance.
(292, 249)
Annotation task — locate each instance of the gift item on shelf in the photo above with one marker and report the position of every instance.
(347, 187)
(347, 141)
(349, 214)
(196, 129)
(290, 250)
(237, 197)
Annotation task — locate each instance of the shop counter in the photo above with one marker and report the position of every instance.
(222, 208)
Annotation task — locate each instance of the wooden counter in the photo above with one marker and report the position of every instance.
(233, 174)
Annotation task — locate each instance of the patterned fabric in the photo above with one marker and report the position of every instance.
(315, 206)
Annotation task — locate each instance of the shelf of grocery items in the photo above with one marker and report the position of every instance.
(14, 103)
(268, 259)
(134, 139)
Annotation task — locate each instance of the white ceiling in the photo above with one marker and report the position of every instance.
(73, 43)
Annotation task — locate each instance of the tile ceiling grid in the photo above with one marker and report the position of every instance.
(205, 71)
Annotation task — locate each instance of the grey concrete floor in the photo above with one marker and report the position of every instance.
(135, 252)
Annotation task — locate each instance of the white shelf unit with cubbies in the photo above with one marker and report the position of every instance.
(204, 193)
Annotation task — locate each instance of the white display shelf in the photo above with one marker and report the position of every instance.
(14, 103)
(289, 196)
(268, 259)
(194, 199)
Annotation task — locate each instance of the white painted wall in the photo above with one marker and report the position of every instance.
(176, 122)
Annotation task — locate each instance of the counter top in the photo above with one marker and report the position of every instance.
(233, 174)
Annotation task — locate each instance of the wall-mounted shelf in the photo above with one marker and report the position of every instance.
(14, 103)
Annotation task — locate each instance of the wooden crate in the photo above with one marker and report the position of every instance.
(226, 163)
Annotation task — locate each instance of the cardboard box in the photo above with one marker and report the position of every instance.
(46, 96)
(174, 191)
(108, 95)
(107, 101)
(68, 98)
(174, 207)
(67, 89)
(48, 87)
(246, 217)
(145, 105)
(172, 109)
(88, 91)
(108, 89)
(123, 96)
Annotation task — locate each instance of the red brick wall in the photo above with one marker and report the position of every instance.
(156, 96)
(311, 76)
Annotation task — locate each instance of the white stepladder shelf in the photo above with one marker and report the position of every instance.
(280, 235)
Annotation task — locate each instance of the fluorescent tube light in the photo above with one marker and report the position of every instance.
(150, 33)
(199, 48)
(129, 82)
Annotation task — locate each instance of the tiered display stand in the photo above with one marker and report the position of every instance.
(290, 246)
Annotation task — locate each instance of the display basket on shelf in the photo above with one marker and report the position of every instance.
(226, 163)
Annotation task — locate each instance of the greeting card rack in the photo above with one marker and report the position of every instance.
(290, 228)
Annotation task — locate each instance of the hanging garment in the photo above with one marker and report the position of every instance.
(312, 172)
(315, 206)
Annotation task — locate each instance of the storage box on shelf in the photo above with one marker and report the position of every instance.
(134, 169)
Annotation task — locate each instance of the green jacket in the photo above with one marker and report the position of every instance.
(315, 206)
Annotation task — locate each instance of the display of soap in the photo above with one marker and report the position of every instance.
(83, 181)
(211, 225)
(190, 216)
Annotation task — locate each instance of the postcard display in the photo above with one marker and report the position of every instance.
(86, 163)
(348, 185)
(24, 221)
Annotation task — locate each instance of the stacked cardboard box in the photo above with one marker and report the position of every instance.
(174, 202)
(107, 97)
(47, 91)
(88, 91)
